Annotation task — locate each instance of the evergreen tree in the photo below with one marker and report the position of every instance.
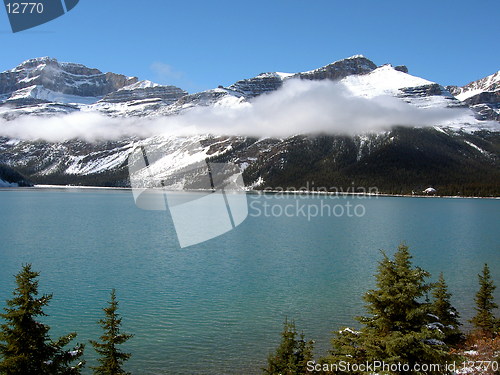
(448, 317)
(484, 320)
(111, 357)
(25, 345)
(346, 348)
(292, 355)
(397, 330)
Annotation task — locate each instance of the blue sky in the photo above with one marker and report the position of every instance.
(201, 44)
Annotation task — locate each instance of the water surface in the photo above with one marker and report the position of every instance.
(218, 307)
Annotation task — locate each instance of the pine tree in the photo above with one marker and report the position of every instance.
(484, 320)
(25, 345)
(396, 331)
(448, 317)
(292, 355)
(111, 357)
(346, 348)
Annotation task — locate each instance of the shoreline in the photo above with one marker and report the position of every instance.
(79, 187)
(313, 193)
(261, 192)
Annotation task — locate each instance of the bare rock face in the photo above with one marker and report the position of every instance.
(489, 83)
(483, 96)
(401, 68)
(425, 90)
(64, 78)
(454, 90)
(165, 94)
(353, 65)
(204, 98)
(263, 83)
(268, 82)
(486, 104)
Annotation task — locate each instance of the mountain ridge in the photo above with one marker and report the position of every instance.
(45, 82)
(483, 95)
(390, 159)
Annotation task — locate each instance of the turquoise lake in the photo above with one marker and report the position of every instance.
(218, 307)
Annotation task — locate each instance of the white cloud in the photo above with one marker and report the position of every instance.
(299, 107)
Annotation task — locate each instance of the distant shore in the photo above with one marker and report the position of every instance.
(354, 194)
(268, 191)
(80, 187)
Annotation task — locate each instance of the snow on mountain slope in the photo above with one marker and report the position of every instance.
(384, 80)
(490, 83)
(422, 93)
(64, 78)
(45, 87)
(482, 96)
(97, 162)
(140, 85)
(176, 153)
(143, 98)
(39, 92)
(169, 155)
(215, 97)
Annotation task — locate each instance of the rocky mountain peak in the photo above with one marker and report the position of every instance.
(45, 63)
(267, 82)
(65, 78)
(482, 95)
(264, 82)
(490, 83)
(46, 87)
(357, 64)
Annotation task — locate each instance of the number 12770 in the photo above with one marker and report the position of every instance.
(23, 8)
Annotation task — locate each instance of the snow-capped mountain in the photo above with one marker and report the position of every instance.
(490, 83)
(482, 95)
(74, 80)
(45, 86)
(401, 159)
(139, 99)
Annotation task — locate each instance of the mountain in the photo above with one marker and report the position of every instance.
(456, 157)
(483, 96)
(11, 178)
(45, 86)
(61, 78)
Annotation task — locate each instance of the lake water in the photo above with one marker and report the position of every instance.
(218, 307)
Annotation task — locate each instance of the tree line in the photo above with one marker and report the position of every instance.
(404, 329)
(26, 347)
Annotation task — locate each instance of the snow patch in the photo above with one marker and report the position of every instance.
(41, 93)
(467, 94)
(348, 330)
(484, 152)
(140, 85)
(384, 80)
